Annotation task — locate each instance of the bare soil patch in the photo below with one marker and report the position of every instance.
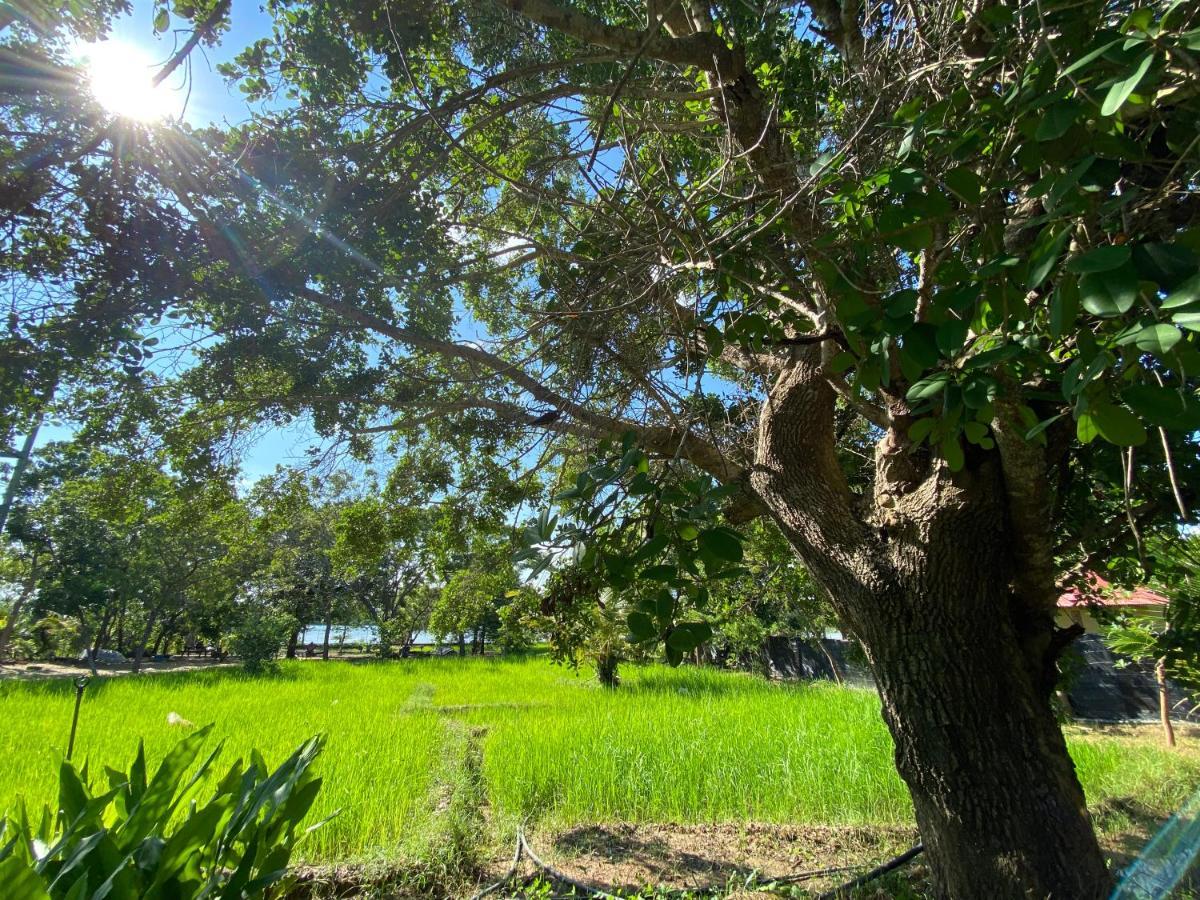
(704, 857)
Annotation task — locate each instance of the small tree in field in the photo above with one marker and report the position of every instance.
(520, 620)
(260, 635)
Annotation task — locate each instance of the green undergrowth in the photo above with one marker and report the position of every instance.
(440, 760)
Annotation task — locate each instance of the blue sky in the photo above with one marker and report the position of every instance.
(209, 100)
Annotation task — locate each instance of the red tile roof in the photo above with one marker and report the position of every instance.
(1098, 592)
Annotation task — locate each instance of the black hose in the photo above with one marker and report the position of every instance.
(890, 865)
(523, 849)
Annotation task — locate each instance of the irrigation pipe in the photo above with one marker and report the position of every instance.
(561, 876)
(507, 876)
(890, 865)
(523, 849)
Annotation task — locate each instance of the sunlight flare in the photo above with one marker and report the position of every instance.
(121, 78)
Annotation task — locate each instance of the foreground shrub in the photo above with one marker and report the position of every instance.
(128, 842)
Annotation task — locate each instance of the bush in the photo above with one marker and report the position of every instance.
(52, 635)
(259, 637)
(127, 842)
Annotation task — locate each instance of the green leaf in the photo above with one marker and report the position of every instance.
(1085, 428)
(1184, 295)
(920, 346)
(723, 543)
(1188, 320)
(1168, 264)
(72, 794)
(979, 390)
(1158, 339)
(659, 573)
(1120, 90)
(1163, 406)
(1064, 307)
(641, 626)
(687, 636)
(1111, 293)
(1118, 425)
(952, 334)
(1101, 259)
(664, 607)
(1089, 57)
(1044, 254)
(952, 452)
(163, 792)
(913, 238)
(1065, 183)
(162, 21)
(688, 531)
(714, 339)
(928, 387)
(964, 183)
(1057, 120)
(975, 432)
(1042, 426)
(920, 429)
(20, 881)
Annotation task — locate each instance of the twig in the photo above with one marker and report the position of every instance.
(1162, 433)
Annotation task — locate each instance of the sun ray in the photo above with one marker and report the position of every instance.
(121, 78)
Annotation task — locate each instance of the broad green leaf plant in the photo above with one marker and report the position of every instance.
(137, 835)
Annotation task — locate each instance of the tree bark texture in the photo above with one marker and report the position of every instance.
(923, 574)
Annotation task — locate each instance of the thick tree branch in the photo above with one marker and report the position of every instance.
(702, 50)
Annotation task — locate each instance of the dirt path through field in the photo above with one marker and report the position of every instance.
(42, 670)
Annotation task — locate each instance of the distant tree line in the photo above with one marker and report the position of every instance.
(112, 546)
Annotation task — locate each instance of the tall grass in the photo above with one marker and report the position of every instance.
(537, 742)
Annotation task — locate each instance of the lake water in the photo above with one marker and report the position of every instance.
(353, 634)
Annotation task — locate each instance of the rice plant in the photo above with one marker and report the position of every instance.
(546, 746)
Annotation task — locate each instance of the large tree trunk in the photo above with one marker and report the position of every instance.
(325, 642)
(996, 798)
(923, 575)
(291, 644)
(120, 633)
(140, 650)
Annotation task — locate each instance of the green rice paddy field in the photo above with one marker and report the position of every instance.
(523, 740)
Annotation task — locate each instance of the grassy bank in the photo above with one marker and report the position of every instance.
(423, 750)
